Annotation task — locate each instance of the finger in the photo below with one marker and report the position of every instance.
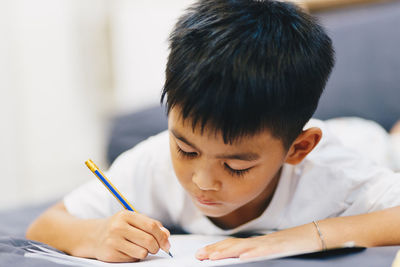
(142, 239)
(204, 253)
(122, 257)
(116, 256)
(215, 249)
(132, 250)
(233, 251)
(166, 231)
(163, 228)
(151, 227)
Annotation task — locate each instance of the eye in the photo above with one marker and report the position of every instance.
(235, 172)
(185, 154)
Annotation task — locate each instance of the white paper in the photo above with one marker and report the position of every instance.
(183, 248)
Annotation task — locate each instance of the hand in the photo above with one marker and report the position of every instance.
(298, 239)
(129, 236)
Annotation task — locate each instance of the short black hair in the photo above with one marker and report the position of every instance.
(242, 66)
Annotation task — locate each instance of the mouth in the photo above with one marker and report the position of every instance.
(206, 202)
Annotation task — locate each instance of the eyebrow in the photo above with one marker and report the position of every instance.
(183, 139)
(248, 156)
(240, 156)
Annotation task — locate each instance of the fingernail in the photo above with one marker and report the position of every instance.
(200, 253)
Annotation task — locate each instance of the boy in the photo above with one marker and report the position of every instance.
(242, 80)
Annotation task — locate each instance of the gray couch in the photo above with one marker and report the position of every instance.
(366, 79)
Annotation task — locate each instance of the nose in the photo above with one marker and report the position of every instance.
(206, 181)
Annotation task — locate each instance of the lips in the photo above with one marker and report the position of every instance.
(205, 201)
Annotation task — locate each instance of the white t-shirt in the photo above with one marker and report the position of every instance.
(331, 181)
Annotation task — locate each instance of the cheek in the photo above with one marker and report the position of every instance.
(243, 190)
(181, 170)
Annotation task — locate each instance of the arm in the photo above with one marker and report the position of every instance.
(125, 236)
(373, 229)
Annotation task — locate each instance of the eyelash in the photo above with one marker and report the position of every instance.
(186, 154)
(231, 171)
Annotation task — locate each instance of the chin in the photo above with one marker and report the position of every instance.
(213, 212)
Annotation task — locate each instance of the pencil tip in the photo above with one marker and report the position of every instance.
(169, 253)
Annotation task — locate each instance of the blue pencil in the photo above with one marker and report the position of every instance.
(114, 191)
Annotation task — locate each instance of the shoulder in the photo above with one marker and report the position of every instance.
(334, 180)
(144, 162)
(349, 138)
(154, 148)
(332, 158)
(332, 149)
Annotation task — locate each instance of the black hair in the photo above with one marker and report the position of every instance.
(242, 66)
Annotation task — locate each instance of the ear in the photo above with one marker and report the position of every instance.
(303, 145)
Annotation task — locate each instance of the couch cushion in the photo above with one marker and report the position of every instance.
(130, 129)
(366, 79)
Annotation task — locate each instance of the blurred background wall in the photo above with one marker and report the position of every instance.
(55, 83)
(66, 68)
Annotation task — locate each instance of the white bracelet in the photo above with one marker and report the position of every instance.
(321, 236)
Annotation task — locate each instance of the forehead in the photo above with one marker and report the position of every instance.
(261, 141)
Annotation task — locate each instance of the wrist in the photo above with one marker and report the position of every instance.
(320, 235)
(302, 238)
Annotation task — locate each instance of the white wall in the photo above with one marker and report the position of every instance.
(67, 67)
(52, 65)
(140, 31)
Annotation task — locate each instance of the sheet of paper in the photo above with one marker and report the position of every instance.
(183, 247)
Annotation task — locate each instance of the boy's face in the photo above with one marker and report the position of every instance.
(224, 179)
